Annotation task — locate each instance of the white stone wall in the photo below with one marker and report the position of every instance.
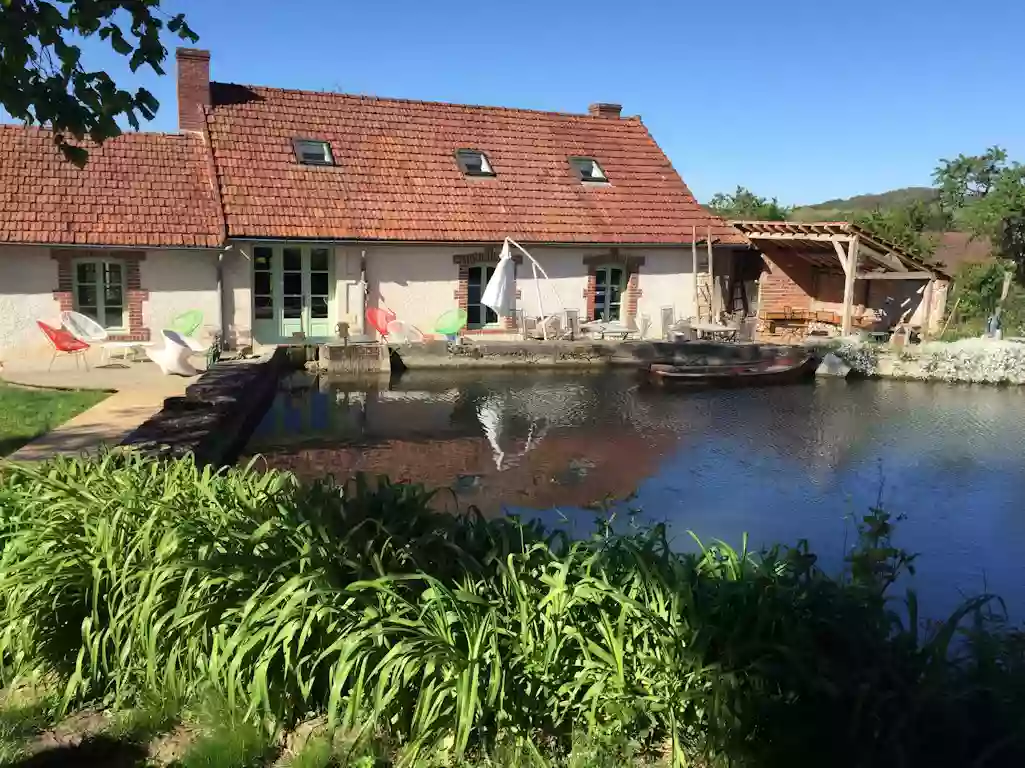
(419, 282)
(237, 272)
(28, 278)
(179, 281)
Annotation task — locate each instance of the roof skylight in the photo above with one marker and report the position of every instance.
(587, 169)
(313, 152)
(473, 162)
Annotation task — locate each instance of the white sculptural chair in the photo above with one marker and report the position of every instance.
(173, 357)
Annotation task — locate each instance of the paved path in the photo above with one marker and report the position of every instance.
(140, 391)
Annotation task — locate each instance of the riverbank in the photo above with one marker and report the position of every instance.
(968, 361)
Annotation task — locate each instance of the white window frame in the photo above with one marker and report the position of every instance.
(101, 292)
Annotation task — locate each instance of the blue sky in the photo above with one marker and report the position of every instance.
(802, 99)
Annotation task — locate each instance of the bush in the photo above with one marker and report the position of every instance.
(462, 636)
(977, 289)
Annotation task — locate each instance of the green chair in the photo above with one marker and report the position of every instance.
(451, 323)
(187, 323)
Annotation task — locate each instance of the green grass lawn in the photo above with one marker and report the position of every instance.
(27, 413)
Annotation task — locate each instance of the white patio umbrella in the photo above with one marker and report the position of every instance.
(500, 292)
(501, 288)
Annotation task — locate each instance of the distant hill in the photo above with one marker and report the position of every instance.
(834, 209)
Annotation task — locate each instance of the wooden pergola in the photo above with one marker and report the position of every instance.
(860, 254)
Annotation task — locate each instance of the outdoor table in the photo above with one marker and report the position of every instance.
(606, 329)
(715, 331)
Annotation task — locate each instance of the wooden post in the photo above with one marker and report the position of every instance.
(694, 269)
(1003, 293)
(850, 266)
(927, 317)
(711, 278)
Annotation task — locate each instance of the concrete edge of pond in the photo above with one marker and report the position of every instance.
(215, 417)
(438, 354)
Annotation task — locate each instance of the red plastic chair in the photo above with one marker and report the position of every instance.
(379, 318)
(62, 341)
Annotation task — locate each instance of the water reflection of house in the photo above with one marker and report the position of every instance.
(570, 469)
(543, 445)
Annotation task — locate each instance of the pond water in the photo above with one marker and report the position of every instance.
(780, 464)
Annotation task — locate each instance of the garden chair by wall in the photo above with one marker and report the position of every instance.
(84, 328)
(63, 342)
(573, 323)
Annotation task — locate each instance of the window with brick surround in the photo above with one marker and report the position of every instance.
(608, 293)
(478, 315)
(99, 291)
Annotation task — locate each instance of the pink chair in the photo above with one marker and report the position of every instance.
(62, 341)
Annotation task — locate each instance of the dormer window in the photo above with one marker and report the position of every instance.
(473, 162)
(587, 169)
(313, 152)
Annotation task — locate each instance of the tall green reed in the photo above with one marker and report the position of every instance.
(127, 578)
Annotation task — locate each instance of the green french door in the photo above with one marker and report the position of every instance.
(291, 292)
(608, 293)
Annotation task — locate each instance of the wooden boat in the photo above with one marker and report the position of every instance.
(785, 369)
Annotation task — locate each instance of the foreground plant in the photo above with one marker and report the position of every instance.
(459, 638)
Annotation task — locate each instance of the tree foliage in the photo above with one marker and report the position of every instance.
(44, 80)
(906, 226)
(985, 195)
(745, 204)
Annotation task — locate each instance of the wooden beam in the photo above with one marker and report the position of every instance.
(886, 258)
(851, 269)
(842, 256)
(894, 276)
(694, 269)
(798, 236)
(927, 317)
(711, 280)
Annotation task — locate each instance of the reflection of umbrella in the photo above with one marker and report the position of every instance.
(500, 292)
(490, 417)
(489, 414)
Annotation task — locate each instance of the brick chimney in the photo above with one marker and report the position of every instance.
(193, 87)
(605, 110)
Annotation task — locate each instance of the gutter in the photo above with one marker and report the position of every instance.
(717, 242)
(110, 247)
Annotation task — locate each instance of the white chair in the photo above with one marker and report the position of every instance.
(86, 329)
(173, 357)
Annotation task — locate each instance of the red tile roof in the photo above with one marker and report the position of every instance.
(395, 176)
(140, 189)
(955, 249)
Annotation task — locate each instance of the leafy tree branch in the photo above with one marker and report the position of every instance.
(44, 80)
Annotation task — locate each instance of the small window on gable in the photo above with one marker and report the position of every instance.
(313, 152)
(473, 162)
(587, 169)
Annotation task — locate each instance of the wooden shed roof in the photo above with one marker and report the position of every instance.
(817, 242)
